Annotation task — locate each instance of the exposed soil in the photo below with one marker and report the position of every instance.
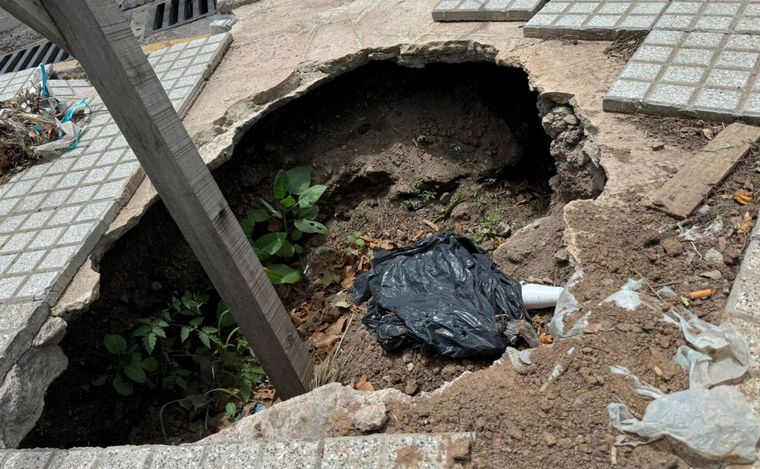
(384, 141)
(363, 130)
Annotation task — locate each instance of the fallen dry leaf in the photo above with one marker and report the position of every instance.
(337, 327)
(545, 339)
(743, 197)
(708, 133)
(374, 243)
(432, 225)
(746, 225)
(275, 225)
(348, 277)
(324, 342)
(364, 385)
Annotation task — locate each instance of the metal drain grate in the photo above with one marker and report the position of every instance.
(44, 52)
(170, 13)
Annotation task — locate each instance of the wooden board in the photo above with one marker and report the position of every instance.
(98, 35)
(692, 184)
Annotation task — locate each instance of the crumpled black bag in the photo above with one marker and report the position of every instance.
(443, 291)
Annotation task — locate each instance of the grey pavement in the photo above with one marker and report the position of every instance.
(486, 10)
(382, 451)
(53, 214)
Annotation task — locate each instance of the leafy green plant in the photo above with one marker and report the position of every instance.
(420, 140)
(185, 342)
(489, 229)
(354, 241)
(446, 211)
(427, 196)
(292, 215)
(132, 368)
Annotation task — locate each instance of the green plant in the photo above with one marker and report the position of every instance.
(132, 368)
(446, 211)
(354, 241)
(420, 140)
(489, 229)
(427, 196)
(456, 147)
(292, 215)
(185, 342)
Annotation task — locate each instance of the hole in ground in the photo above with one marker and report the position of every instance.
(395, 146)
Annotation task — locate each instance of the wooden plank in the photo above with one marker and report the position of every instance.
(99, 36)
(34, 15)
(692, 184)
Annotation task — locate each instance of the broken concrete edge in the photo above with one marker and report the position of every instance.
(432, 450)
(217, 144)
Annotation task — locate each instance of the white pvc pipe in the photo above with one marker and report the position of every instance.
(540, 296)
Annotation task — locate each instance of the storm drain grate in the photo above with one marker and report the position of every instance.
(170, 13)
(44, 52)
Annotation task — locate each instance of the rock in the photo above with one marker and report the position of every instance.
(22, 391)
(462, 211)
(549, 439)
(409, 366)
(672, 247)
(570, 119)
(561, 256)
(411, 388)
(732, 256)
(318, 261)
(445, 198)
(51, 332)
(504, 229)
(657, 146)
(713, 257)
(408, 356)
(713, 274)
(369, 418)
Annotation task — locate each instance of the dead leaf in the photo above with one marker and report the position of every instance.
(378, 243)
(275, 225)
(364, 385)
(525, 197)
(432, 225)
(324, 342)
(545, 339)
(349, 276)
(743, 197)
(746, 225)
(708, 133)
(337, 327)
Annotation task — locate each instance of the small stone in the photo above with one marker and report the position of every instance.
(462, 211)
(445, 198)
(411, 388)
(672, 247)
(561, 256)
(713, 257)
(409, 366)
(549, 439)
(408, 356)
(369, 417)
(657, 146)
(713, 274)
(570, 119)
(504, 229)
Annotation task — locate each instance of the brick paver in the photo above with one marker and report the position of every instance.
(486, 10)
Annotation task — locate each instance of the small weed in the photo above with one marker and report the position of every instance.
(420, 140)
(355, 241)
(456, 147)
(427, 196)
(489, 229)
(295, 215)
(446, 212)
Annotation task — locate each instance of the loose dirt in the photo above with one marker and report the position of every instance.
(382, 139)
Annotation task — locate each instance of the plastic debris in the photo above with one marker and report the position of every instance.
(567, 305)
(443, 291)
(716, 424)
(628, 296)
(716, 355)
(559, 369)
(540, 296)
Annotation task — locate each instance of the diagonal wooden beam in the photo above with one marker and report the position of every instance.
(99, 36)
(34, 15)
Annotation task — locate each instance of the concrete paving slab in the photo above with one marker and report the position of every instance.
(601, 19)
(486, 10)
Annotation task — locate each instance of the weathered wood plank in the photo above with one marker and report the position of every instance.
(99, 36)
(34, 15)
(692, 184)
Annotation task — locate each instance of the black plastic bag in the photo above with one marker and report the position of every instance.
(443, 291)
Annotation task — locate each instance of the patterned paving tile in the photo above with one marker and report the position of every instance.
(600, 19)
(11, 83)
(486, 10)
